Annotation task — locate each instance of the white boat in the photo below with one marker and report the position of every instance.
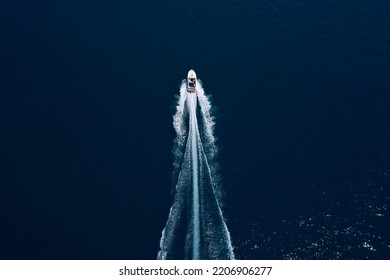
(191, 81)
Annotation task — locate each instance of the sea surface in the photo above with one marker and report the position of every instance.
(300, 93)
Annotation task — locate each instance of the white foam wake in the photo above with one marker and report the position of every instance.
(195, 228)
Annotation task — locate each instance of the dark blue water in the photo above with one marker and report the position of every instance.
(301, 94)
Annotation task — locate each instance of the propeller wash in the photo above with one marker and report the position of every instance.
(195, 228)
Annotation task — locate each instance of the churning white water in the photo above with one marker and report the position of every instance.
(195, 228)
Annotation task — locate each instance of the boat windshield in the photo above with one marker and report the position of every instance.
(191, 82)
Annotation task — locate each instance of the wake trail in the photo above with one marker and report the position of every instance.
(194, 150)
(195, 228)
